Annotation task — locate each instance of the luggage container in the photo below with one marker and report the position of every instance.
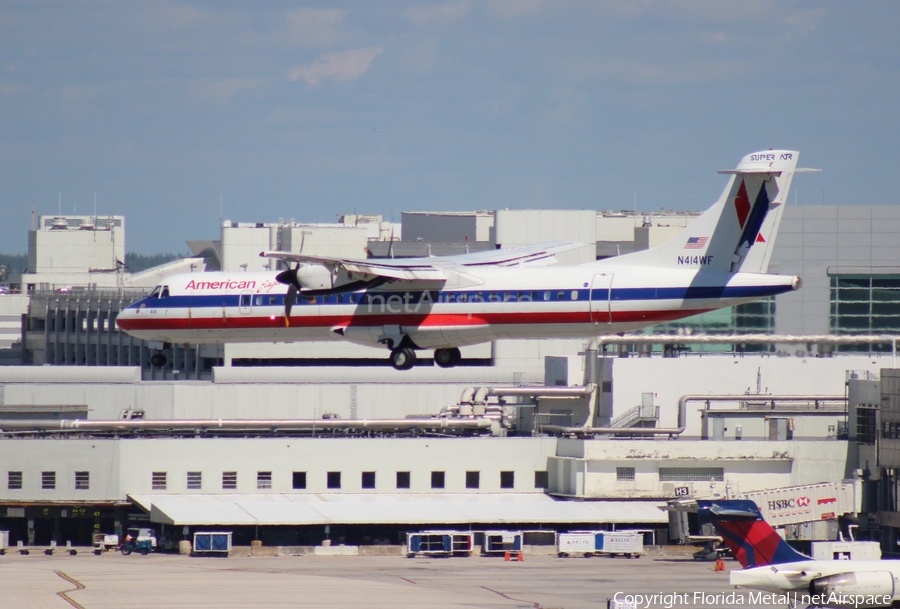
(500, 542)
(212, 543)
(439, 543)
(621, 543)
(104, 542)
(462, 543)
(428, 543)
(576, 542)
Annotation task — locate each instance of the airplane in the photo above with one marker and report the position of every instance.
(770, 564)
(443, 303)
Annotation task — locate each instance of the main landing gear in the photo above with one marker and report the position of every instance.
(447, 358)
(404, 358)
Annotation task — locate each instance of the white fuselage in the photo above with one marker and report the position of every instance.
(473, 305)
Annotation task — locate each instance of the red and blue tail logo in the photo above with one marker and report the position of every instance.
(752, 541)
(751, 217)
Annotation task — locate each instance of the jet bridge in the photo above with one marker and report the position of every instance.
(781, 507)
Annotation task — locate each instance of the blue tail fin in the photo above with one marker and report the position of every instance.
(751, 539)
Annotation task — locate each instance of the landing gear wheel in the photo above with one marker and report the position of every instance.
(447, 358)
(158, 360)
(403, 358)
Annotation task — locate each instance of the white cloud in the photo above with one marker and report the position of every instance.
(314, 27)
(441, 14)
(803, 22)
(339, 67)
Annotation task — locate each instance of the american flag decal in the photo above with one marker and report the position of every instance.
(696, 243)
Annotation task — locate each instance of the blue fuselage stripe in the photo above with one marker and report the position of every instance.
(475, 296)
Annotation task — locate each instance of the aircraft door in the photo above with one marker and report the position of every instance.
(601, 289)
(246, 302)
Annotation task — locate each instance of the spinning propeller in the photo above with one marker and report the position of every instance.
(290, 279)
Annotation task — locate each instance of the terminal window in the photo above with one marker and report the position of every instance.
(194, 481)
(866, 424)
(625, 474)
(14, 481)
(437, 479)
(82, 481)
(402, 479)
(48, 481)
(473, 479)
(749, 318)
(263, 480)
(229, 481)
(865, 304)
(334, 480)
(158, 481)
(299, 481)
(368, 479)
(541, 479)
(507, 479)
(691, 474)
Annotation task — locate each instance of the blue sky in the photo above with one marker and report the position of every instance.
(311, 110)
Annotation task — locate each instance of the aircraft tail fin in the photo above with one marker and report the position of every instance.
(742, 527)
(738, 232)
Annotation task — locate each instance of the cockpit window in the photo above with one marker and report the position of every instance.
(165, 292)
(155, 292)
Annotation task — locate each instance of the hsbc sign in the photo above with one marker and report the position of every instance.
(786, 504)
(787, 507)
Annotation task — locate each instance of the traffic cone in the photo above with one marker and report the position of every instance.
(720, 564)
(506, 556)
(521, 557)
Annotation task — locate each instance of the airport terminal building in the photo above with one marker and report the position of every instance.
(295, 444)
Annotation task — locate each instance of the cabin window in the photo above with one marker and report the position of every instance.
(245, 300)
(509, 297)
(560, 295)
(462, 298)
(546, 295)
(574, 295)
(259, 300)
(494, 297)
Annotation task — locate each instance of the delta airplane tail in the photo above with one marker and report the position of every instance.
(750, 538)
(738, 232)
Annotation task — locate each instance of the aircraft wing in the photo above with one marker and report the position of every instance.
(432, 269)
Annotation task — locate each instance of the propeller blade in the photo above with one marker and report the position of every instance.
(289, 278)
(288, 304)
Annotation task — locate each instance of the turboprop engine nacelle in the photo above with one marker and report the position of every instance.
(316, 277)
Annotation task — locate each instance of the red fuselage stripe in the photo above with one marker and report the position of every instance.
(422, 321)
